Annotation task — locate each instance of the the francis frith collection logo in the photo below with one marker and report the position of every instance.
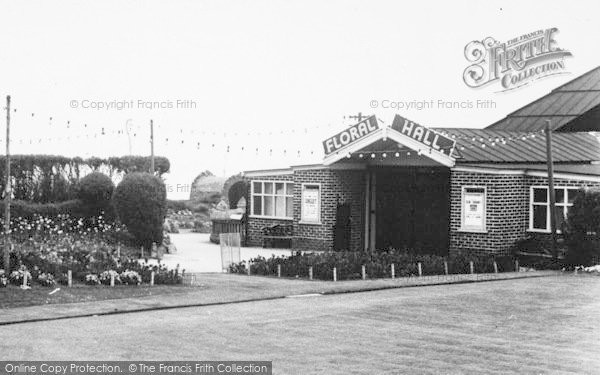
(514, 63)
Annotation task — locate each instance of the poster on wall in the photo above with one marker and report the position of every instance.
(310, 204)
(474, 211)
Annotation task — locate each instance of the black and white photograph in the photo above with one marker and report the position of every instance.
(299, 187)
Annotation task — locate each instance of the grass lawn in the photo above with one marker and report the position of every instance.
(533, 326)
(13, 296)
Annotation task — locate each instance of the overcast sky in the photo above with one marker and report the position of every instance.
(277, 76)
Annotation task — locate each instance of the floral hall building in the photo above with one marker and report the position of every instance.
(434, 190)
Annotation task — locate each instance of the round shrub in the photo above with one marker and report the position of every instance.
(236, 192)
(583, 229)
(140, 201)
(96, 190)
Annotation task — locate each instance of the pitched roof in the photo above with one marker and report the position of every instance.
(564, 106)
(485, 145)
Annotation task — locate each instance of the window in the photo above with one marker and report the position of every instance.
(273, 199)
(473, 209)
(539, 208)
(311, 204)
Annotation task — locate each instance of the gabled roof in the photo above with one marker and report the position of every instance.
(565, 106)
(484, 145)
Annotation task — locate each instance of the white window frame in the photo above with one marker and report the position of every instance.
(565, 205)
(273, 195)
(303, 220)
(464, 228)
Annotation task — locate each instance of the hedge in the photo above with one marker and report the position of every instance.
(53, 178)
(349, 264)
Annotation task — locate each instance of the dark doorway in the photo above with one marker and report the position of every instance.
(341, 238)
(413, 209)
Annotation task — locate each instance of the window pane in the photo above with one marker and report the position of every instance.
(289, 210)
(279, 206)
(257, 200)
(572, 193)
(268, 206)
(539, 216)
(268, 188)
(279, 188)
(289, 189)
(257, 187)
(540, 195)
(560, 216)
(559, 195)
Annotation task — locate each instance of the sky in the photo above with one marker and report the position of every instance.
(245, 85)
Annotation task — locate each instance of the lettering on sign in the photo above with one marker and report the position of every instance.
(350, 135)
(421, 134)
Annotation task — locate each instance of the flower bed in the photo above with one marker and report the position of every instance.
(377, 265)
(46, 249)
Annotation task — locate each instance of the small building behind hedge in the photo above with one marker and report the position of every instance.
(441, 191)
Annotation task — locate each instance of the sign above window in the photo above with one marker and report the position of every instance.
(350, 135)
(423, 135)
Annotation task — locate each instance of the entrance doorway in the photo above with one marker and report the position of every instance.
(411, 209)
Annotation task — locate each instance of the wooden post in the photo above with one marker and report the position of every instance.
(69, 278)
(516, 265)
(279, 270)
(364, 272)
(112, 279)
(310, 273)
(471, 267)
(552, 194)
(393, 271)
(151, 147)
(420, 269)
(445, 267)
(334, 274)
(152, 278)
(495, 267)
(8, 193)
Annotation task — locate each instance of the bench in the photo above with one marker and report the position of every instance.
(279, 236)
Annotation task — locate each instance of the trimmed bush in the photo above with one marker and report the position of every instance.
(140, 201)
(583, 229)
(96, 190)
(236, 192)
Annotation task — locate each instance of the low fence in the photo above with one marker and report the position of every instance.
(228, 226)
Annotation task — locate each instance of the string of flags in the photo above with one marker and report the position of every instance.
(214, 140)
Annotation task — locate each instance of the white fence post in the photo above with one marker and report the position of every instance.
(112, 279)
(495, 267)
(69, 278)
(151, 278)
(393, 271)
(364, 272)
(516, 265)
(420, 269)
(279, 270)
(446, 267)
(334, 274)
(471, 267)
(249, 265)
(310, 273)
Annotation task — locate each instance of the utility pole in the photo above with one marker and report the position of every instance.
(358, 117)
(8, 194)
(551, 192)
(151, 146)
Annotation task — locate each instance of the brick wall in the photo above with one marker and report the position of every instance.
(255, 224)
(507, 210)
(336, 186)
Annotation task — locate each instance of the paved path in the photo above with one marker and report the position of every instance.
(534, 326)
(195, 253)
